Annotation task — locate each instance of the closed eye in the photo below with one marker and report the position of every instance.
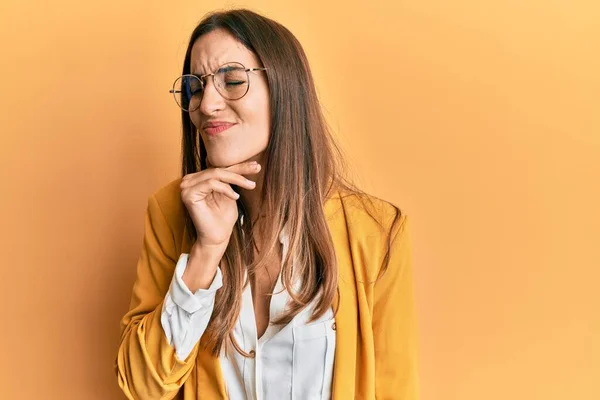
(235, 83)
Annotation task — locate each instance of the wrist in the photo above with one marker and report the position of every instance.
(202, 265)
(209, 254)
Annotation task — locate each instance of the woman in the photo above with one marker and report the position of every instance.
(264, 273)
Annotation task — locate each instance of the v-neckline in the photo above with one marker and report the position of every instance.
(277, 305)
(279, 300)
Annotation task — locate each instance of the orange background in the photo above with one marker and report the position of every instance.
(480, 118)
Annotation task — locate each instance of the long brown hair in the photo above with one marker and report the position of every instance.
(304, 166)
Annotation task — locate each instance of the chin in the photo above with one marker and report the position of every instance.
(226, 160)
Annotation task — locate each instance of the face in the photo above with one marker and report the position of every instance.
(248, 137)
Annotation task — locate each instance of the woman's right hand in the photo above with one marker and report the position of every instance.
(211, 201)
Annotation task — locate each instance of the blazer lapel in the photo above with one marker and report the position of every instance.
(346, 319)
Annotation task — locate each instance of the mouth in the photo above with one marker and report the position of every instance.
(215, 129)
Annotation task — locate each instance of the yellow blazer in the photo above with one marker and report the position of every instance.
(376, 341)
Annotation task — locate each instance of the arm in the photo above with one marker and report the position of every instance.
(147, 366)
(185, 315)
(394, 324)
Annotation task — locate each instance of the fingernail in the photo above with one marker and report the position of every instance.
(251, 182)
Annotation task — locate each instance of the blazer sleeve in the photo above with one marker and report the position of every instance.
(147, 366)
(394, 323)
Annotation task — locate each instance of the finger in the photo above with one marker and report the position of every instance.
(215, 185)
(194, 174)
(245, 168)
(221, 174)
(205, 188)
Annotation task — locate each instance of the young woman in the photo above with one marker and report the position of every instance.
(264, 273)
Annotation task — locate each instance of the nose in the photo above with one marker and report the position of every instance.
(212, 100)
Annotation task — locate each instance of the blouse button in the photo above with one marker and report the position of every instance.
(252, 354)
(333, 326)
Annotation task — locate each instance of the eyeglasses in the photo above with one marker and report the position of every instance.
(232, 81)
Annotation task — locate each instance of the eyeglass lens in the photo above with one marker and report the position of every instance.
(231, 81)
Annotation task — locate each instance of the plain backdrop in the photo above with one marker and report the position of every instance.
(480, 119)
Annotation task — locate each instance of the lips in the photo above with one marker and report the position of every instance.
(216, 127)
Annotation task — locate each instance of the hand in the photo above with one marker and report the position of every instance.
(211, 201)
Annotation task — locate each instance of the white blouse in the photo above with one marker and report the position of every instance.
(294, 361)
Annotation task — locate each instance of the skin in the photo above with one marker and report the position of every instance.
(234, 156)
(248, 139)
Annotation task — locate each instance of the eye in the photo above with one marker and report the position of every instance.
(195, 91)
(234, 83)
(233, 77)
(194, 87)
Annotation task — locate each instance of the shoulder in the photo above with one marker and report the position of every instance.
(373, 227)
(167, 201)
(169, 196)
(369, 213)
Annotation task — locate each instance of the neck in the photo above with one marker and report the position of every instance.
(251, 198)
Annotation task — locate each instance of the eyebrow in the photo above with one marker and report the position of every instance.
(222, 69)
